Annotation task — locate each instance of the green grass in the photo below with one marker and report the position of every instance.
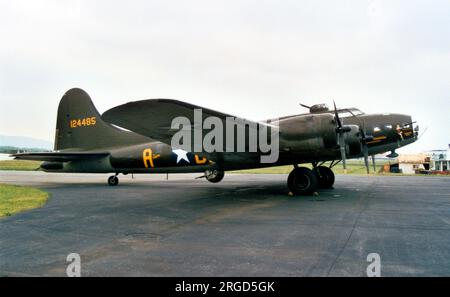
(19, 165)
(353, 167)
(15, 199)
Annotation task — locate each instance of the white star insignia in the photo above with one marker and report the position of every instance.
(181, 155)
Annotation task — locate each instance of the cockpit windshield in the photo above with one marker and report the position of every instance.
(349, 112)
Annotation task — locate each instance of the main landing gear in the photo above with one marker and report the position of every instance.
(305, 181)
(113, 180)
(302, 181)
(214, 175)
(325, 176)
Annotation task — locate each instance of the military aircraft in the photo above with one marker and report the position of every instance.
(136, 138)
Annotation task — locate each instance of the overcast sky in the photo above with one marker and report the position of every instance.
(255, 59)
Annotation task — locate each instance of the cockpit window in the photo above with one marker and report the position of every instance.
(349, 112)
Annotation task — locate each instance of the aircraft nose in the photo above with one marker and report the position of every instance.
(405, 127)
(408, 119)
(402, 120)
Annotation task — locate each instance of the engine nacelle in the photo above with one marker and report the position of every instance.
(308, 133)
(353, 146)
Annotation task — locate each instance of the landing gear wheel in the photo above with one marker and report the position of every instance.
(113, 180)
(325, 176)
(302, 181)
(214, 175)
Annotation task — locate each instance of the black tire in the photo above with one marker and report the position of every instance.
(325, 176)
(302, 181)
(113, 180)
(214, 175)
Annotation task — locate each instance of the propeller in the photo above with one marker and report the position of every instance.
(340, 130)
(364, 140)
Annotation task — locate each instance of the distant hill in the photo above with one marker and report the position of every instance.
(25, 142)
(14, 150)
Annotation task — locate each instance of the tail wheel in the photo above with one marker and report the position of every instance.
(325, 176)
(214, 175)
(302, 181)
(113, 180)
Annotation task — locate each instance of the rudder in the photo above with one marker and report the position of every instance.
(79, 125)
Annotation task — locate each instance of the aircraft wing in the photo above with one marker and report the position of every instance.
(153, 117)
(58, 156)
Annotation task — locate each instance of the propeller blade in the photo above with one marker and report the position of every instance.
(343, 153)
(365, 148)
(336, 115)
(374, 164)
(341, 130)
(366, 157)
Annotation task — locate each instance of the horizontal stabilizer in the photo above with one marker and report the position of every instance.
(58, 157)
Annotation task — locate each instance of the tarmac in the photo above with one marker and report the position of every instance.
(246, 225)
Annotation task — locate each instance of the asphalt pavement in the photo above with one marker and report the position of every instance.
(246, 225)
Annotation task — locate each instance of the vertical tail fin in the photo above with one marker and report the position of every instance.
(79, 126)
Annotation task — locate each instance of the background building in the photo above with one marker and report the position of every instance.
(413, 163)
(440, 160)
